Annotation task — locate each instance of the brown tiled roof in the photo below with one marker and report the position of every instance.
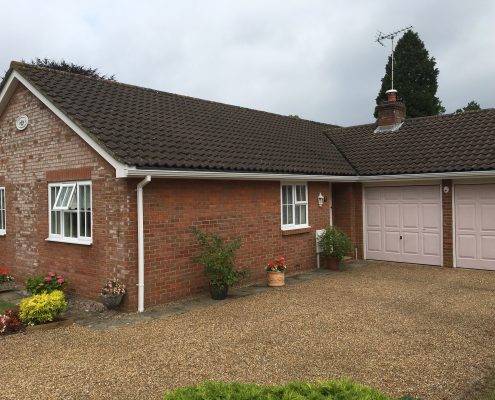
(152, 129)
(446, 143)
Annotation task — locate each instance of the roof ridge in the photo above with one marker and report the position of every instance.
(20, 65)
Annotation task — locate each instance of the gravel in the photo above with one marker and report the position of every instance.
(399, 328)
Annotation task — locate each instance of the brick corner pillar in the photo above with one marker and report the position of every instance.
(448, 233)
(347, 212)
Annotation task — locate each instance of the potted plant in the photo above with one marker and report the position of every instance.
(335, 244)
(111, 294)
(6, 280)
(218, 259)
(275, 272)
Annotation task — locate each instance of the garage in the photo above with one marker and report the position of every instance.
(475, 226)
(403, 224)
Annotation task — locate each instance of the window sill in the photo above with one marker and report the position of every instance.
(295, 231)
(3, 233)
(70, 240)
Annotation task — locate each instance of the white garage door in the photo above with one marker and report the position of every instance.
(475, 226)
(403, 224)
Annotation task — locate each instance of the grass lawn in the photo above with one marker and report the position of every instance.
(5, 306)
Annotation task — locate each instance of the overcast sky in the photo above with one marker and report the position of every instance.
(316, 59)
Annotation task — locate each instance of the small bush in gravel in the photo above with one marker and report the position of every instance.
(42, 308)
(332, 390)
(10, 322)
(46, 283)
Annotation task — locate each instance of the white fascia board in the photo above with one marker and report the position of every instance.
(120, 169)
(133, 172)
(236, 175)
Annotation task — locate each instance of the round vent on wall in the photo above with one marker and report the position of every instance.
(21, 122)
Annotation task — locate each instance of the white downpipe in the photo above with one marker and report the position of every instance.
(140, 283)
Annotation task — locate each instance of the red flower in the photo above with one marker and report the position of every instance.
(60, 280)
(51, 273)
(48, 278)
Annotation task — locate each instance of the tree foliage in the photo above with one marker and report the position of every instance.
(415, 77)
(471, 106)
(70, 67)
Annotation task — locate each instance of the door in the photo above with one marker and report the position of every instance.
(475, 226)
(403, 223)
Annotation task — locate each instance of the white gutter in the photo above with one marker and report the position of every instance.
(140, 283)
(133, 172)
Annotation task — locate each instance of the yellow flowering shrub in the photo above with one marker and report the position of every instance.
(42, 308)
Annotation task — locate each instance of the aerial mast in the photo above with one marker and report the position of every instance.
(380, 37)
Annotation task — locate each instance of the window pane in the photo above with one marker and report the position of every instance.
(284, 215)
(88, 224)
(303, 214)
(298, 215)
(65, 197)
(88, 197)
(290, 216)
(284, 194)
(82, 197)
(82, 224)
(300, 193)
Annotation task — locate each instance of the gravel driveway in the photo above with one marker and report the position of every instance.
(402, 329)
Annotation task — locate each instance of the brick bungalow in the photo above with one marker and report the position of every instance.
(102, 179)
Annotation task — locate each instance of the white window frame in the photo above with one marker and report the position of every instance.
(287, 227)
(60, 237)
(3, 211)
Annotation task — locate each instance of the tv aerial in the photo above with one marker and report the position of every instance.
(380, 37)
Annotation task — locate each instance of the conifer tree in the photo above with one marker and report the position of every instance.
(415, 77)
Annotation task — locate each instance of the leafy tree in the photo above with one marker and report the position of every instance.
(471, 106)
(415, 77)
(70, 67)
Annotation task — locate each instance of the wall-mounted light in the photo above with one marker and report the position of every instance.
(446, 189)
(321, 199)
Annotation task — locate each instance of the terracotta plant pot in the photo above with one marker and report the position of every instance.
(275, 278)
(219, 292)
(332, 263)
(111, 301)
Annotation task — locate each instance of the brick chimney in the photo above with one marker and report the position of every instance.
(391, 113)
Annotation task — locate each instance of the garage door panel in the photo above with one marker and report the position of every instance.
(375, 241)
(410, 243)
(391, 193)
(410, 216)
(431, 216)
(487, 248)
(431, 244)
(373, 194)
(373, 215)
(430, 193)
(392, 244)
(487, 217)
(466, 217)
(392, 216)
(466, 246)
(464, 192)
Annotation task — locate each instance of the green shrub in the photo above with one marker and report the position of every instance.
(42, 308)
(46, 283)
(218, 259)
(332, 390)
(335, 243)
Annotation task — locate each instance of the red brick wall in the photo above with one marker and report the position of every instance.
(447, 233)
(347, 212)
(246, 209)
(47, 150)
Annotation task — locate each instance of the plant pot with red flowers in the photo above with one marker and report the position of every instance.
(335, 244)
(112, 293)
(275, 272)
(6, 281)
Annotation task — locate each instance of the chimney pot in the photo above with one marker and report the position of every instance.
(391, 95)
